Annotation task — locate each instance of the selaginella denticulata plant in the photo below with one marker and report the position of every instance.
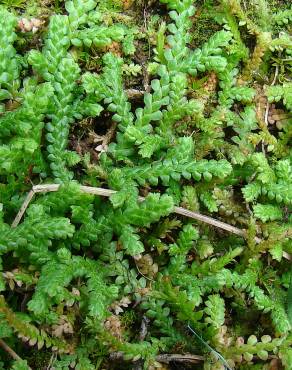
(165, 105)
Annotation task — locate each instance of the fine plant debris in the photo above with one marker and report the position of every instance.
(145, 184)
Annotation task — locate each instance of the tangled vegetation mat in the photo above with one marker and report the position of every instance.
(147, 145)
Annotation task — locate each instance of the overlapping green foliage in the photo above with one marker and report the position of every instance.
(80, 272)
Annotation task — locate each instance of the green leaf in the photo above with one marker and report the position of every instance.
(131, 242)
(267, 212)
(119, 198)
(20, 365)
(150, 210)
(289, 300)
(277, 252)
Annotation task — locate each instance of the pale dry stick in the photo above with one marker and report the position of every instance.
(23, 208)
(268, 104)
(212, 221)
(167, 358)
(107, 193)
(275, 76)
(267, 113)
(10, 351)
(52, 360)
(164, 358)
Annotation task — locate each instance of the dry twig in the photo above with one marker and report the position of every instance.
(10, 351)
(268, 104)
(107, 193)
(164, 358)
(167, 358)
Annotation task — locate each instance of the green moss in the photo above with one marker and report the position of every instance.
(164, 101)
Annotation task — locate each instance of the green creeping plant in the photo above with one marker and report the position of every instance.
(289, 299)
(208, 129)
(13, 3)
